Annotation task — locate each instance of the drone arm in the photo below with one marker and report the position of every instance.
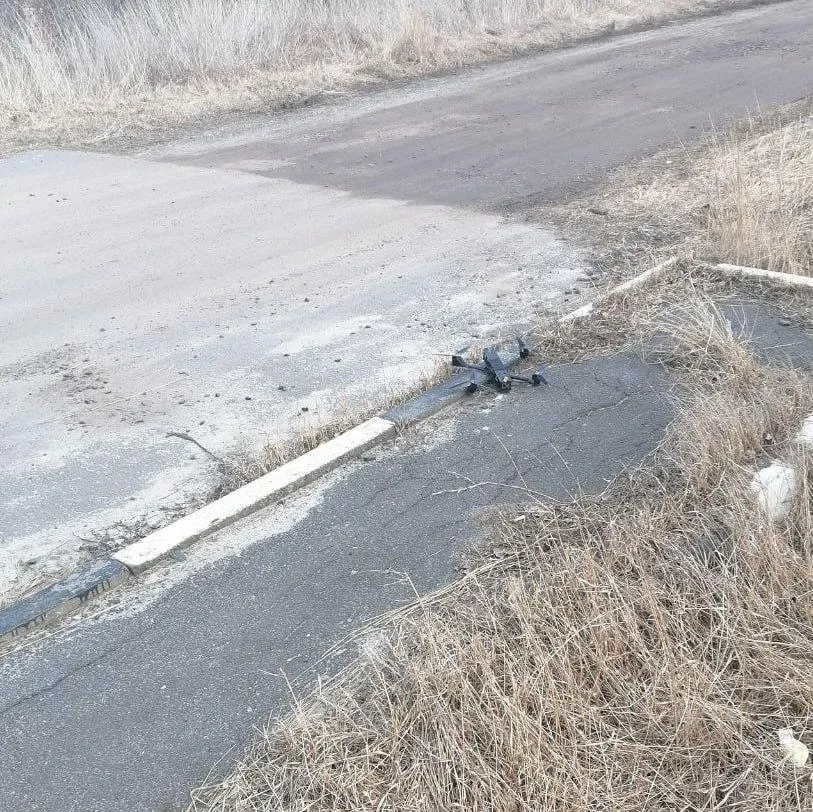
(461, 363)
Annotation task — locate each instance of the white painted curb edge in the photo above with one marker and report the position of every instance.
(255, 495)
(786, 279)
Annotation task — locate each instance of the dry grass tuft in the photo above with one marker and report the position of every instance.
(761, 212)
(239, 467)
(800, 516)
(690, 331)
(83, 72)
(634, 651)
(744, 196)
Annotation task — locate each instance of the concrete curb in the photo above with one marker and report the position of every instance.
(59, 599)
(255, 495)
(775, 277)
(73, 592)
(631, 284)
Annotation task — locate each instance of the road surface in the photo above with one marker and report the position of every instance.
(128, 713)
(129, 708)
(219, 284)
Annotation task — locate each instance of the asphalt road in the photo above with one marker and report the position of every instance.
(128, 713)
(327, 251)
(536, 129)
(130, 706)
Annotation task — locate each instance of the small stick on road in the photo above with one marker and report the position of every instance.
(183, 436)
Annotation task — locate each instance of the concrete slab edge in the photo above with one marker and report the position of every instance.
(77, 589)
(59, 599)
(775, 277)
(73, 592)
(652, 274)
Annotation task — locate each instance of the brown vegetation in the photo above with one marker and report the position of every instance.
(744, 196)
(637, 650)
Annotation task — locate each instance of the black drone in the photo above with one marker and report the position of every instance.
(496, 370)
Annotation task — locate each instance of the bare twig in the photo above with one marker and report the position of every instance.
(184, 436)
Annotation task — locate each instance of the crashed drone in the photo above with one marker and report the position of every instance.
(496, 370)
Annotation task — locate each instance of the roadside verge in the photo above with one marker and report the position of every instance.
(75, 591)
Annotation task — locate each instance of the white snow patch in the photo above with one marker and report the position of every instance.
(774, 487)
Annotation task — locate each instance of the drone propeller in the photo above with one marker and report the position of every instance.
(524, 349)
(535, 378)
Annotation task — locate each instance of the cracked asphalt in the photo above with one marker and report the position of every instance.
(130, 706)
(129, 712)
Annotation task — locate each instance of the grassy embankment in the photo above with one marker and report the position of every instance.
(110, 71)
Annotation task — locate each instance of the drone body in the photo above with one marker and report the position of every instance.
(496, 370)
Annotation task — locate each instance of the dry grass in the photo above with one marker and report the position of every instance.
(761, 213)
(744, 196)
(670, 323)
(104, 70)
(750, 199)
(634, 651)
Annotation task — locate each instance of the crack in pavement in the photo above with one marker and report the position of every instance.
(45, 689)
